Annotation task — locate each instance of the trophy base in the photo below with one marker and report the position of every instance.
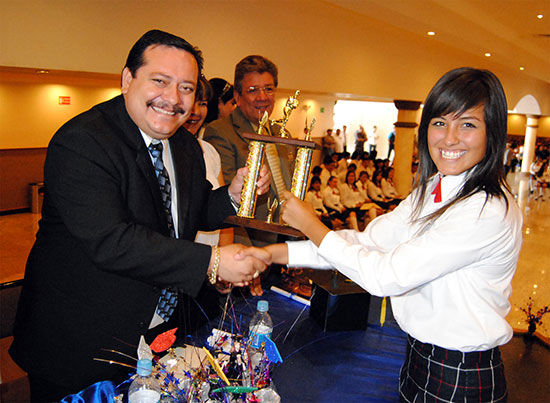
(264, 226)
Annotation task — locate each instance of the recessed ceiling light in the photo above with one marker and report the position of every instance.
(522, 68)
(431, 33)
(540, 16)
(42, 71)
(487, 54)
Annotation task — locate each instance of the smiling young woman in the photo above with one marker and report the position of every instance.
(447, 254)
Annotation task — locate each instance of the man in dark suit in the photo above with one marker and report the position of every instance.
(256, 79)
(108, 244)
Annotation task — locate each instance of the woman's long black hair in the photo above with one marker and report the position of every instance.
(456, 92)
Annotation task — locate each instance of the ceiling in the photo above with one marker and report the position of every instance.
(508, 29)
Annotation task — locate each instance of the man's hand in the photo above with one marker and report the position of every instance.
(241, 269)
(236, 186)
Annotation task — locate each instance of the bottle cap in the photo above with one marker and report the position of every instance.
(144, 367)
(262, 306)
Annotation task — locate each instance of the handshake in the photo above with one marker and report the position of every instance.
(239, 264)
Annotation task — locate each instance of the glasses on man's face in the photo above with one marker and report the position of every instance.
(267, 90)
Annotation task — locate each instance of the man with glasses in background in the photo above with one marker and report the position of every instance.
(256, 79)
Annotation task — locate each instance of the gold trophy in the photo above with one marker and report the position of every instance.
(303, 165)
(254, 163)
(256, 155)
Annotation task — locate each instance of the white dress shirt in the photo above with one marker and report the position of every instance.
(449, 281)
(169, 166)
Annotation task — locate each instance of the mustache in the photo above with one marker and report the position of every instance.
(166, 105)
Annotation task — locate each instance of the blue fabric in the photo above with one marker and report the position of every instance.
(99, 392)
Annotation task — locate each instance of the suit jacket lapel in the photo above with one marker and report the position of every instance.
(129, 131)
(184, 172)
(241, 124)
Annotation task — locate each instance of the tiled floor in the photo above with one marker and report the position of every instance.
(532, 278)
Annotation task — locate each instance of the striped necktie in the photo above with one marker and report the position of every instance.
(168, 298)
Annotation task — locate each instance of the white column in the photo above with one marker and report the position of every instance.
(404, 144)
(530, 142)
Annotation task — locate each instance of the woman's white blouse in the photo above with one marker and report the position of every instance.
(449, 281)
(388, 189)
(349, 197)
(331, 198)
(316, 199)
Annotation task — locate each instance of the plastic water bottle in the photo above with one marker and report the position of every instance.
(144, 388)
(261, 325)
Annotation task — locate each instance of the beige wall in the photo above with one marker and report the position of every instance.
(31, 113)
(319, 48)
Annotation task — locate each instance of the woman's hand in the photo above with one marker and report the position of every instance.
(302, 216)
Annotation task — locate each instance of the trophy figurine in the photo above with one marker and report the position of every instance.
(291, 104)
(254, 164)
(271, 209)
(302, 167)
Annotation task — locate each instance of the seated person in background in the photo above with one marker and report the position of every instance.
(367, 165)
(333, 204)
(387, 186)
(362, 184)
(342, 162)
(222, 102)
(328, 170)
(343, 174)
(353, 200)
(374, 191)
(315, 197)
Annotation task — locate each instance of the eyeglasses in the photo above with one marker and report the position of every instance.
(268, 90)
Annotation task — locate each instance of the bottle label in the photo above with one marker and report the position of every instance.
(258, 335)
(144, 396)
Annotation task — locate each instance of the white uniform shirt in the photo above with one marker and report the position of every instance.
(388, 189)
(449, 282)
(316, 200)
(331, 199)
(349, 197)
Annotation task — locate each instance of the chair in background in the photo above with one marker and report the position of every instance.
(14, 384)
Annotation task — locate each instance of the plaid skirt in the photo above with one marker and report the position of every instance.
(435, 374)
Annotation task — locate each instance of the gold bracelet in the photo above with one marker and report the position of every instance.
(213, 275)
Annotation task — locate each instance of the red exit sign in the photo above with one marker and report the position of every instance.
(64, 100)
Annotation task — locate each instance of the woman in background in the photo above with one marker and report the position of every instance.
(388, 188)
(447, 254)
(315, 198)
(194, 125)
(222, 103)
(353, 199)
(333, 203)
